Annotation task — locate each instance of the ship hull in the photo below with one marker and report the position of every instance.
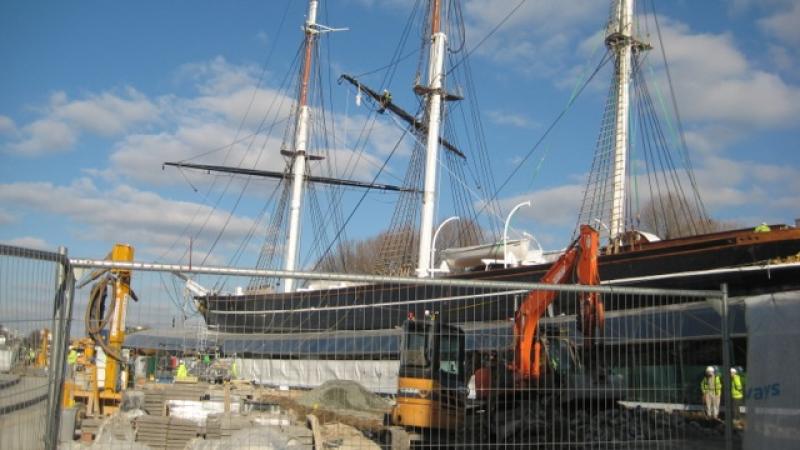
(706, 260)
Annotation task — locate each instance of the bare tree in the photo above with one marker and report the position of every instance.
(353, 256)
(672, 216)
(400, 248)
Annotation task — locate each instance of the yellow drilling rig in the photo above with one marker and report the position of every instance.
(82, 384)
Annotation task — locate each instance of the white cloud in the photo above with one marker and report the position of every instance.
(381, 3)
(783, 24)
(44, 136)
(29, 242)
(511, 119)
(261, 105)
(211, 125)
(62, 121)
(107, 113)
(538, 39)
(7, 217)
(708, 138)
(722, 94)
(742, 189)
(781, 57)
(7, 125)
(745, 6)
(554, 206)
(732, 190)
(217, 76)
(140, 156)
(124, 213)
(546, 16)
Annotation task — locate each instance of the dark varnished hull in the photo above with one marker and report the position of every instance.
(280, 313)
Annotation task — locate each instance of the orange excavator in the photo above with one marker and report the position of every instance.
(579, 263)
(432, 385)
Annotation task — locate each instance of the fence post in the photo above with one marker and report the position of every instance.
(62, 318)
(726, 370)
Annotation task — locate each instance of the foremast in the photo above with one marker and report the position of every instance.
(435, 93)
(300, 146)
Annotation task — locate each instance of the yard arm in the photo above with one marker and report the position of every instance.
(416, 125)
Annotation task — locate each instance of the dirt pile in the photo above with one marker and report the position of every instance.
(345, 396)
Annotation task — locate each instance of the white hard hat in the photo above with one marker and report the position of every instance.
(709, 369)
(733, 370)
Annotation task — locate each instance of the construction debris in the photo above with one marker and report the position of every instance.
(615, 425)
(155, 396)
(165, 432)
(261, 438)
(344, 415)
(219, 426)
(344, 437)
(345, 397)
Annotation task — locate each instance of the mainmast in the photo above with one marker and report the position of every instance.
(435, 92)
(300, 146)
(620, 40)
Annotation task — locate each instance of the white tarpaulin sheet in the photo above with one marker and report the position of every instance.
(772, 394)
(197, 411)
(6, 360)
(376, 376)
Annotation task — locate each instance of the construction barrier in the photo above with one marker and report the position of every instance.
(35, 307)
(773, 391)
(434, 361)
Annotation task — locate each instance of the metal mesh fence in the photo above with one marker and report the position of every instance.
(352, 361)
(431, 363)
(33, 316)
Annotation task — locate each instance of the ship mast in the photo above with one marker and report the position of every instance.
(300, 146)
(620, 40)
(435, 91)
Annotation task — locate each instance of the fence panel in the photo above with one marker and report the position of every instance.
(443, 363)
(34, 312)
(436, 361)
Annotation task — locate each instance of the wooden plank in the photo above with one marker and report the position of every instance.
(316, 430)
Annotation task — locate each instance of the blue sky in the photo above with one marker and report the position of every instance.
(95, 95)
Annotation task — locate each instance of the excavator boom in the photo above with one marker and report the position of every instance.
(578, 263)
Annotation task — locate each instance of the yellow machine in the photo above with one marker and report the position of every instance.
(103, 401)
(432, 377)
(42, 355)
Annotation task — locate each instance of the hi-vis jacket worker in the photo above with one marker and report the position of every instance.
(737, 392)
(182, 372)
(72, 357)
(711, 387)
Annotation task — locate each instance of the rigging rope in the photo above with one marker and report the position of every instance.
(552, 126)
(684, 146)
(213, 184)
(488, 35)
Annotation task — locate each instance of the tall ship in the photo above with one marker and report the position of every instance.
(668, 241)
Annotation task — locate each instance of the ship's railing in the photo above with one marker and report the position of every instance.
(635, 384)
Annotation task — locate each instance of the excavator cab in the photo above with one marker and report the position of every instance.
(432, 385)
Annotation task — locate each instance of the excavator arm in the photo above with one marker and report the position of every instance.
(578, 263)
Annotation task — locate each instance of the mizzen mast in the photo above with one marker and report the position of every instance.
(619, 40)
(435, 92)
